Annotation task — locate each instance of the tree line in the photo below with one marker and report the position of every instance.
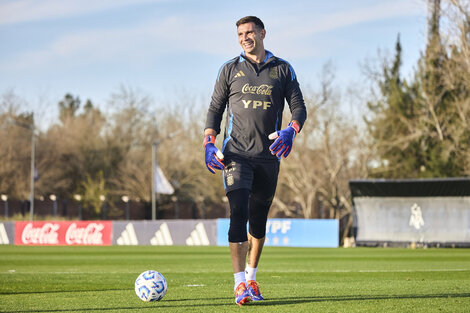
(414, 127)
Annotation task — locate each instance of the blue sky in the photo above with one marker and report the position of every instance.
(91, 48)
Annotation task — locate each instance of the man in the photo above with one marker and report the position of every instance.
(253, 87)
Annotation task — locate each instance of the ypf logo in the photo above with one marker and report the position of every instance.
(256, 104)
(278, 232)
(278, 226)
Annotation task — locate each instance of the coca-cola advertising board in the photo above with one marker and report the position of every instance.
(96, 233)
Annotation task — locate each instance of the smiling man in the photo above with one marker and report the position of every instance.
(253, 88)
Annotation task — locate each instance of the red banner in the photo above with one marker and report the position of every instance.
(96, 233)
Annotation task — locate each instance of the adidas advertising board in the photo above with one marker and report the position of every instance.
(7, 233)
(279, 232)
(165, 232)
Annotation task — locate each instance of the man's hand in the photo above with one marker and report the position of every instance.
(214, 156)
(284, 140)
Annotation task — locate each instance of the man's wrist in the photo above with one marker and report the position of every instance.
(295, 125)
(208, 139)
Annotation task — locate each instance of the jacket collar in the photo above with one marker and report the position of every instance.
(269, 55)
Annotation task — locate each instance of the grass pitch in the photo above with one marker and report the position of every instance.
(101, 279)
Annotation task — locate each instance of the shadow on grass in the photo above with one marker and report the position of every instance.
(182, 303)
(58, 291)
(297, 300)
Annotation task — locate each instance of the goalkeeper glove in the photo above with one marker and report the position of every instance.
(214, 156)
(284, 140)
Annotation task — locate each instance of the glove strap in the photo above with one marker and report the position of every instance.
(295, 126)
(209, 139)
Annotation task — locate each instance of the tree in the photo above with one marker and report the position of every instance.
(68, 107)
(327, 153)
(132, 131)
(420, 129)
(15, 146)
(394, 126)
(93, 190)
(73, 150)
(181, 155)
(456, 79)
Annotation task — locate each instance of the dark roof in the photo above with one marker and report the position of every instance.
(436, 187)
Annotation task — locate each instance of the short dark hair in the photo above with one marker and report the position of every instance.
(250, 19)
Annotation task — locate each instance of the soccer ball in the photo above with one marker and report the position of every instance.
(150, 286)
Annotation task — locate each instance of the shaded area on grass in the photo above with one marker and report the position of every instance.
(284, 301)
(58, 291)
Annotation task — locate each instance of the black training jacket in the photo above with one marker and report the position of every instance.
(254, 96)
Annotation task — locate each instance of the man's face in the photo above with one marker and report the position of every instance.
(250, 37)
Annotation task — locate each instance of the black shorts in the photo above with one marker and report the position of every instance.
(258, 176)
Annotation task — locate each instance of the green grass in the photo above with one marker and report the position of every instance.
(101, 279)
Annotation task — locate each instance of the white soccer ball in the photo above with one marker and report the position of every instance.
(150, 286)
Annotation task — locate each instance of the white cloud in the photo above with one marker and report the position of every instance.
(293, 40)
(131, 45)
(155, 38)
(380, 11)
(32, 10)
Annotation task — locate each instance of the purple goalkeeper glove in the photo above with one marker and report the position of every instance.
(214, 157)
(284, 140)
